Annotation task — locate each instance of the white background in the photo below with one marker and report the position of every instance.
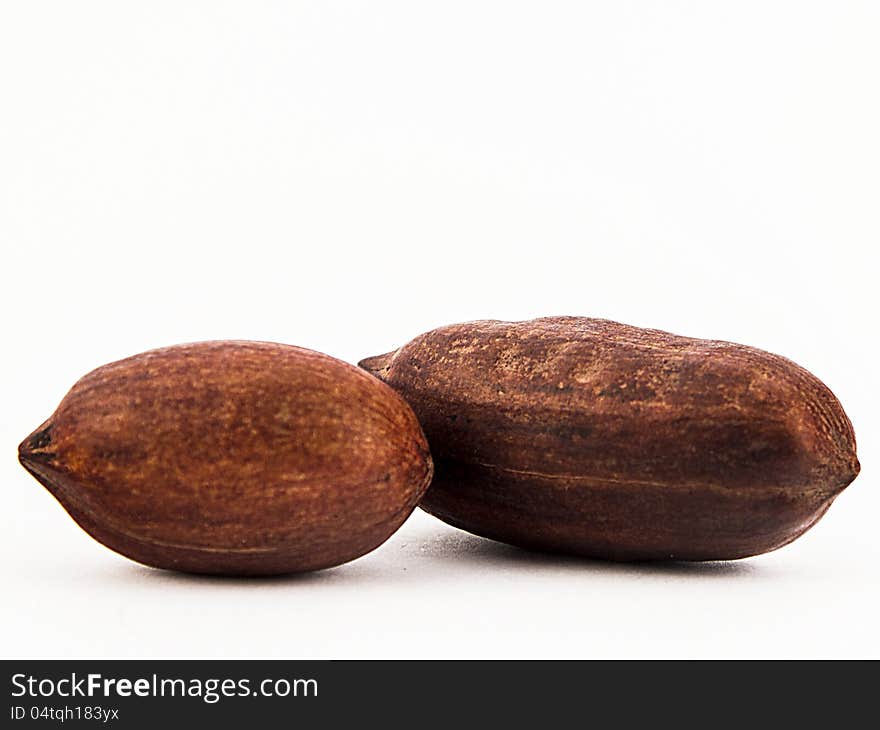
(346, 175)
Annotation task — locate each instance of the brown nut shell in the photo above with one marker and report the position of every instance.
(241, 458)
(601, 439)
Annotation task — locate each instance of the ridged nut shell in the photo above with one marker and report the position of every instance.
(601, 439)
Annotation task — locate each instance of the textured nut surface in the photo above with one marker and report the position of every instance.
(602, 439)
(233, 457)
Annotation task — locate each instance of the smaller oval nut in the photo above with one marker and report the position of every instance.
(228, 457)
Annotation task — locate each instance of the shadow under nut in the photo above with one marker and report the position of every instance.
(601, 439)
(238, 458)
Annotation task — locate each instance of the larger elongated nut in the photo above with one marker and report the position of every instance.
(597, 438)
(233, 457)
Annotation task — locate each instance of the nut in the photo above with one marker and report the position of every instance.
(601, 439)
(233, 457)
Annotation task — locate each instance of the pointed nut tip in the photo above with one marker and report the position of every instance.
(378, 364)
(35, 445)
